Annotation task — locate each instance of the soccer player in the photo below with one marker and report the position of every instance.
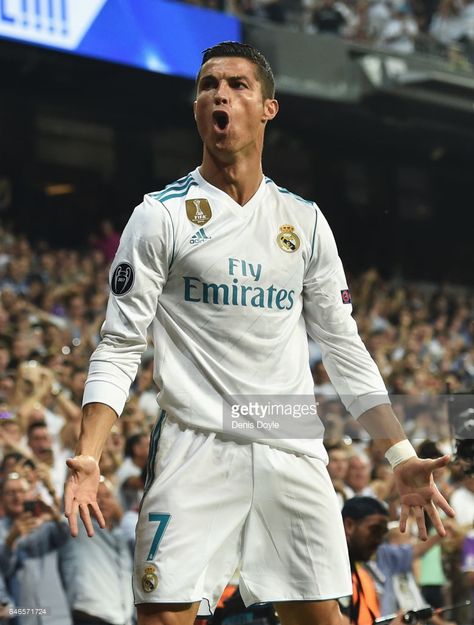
(231, 272)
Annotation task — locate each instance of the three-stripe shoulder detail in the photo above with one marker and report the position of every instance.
(313, 238)
(297, 197)
(286, 192)
(179, 193)
(158, 206)
(175, 189)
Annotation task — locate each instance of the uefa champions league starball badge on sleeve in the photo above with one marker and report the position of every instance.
(122, 279)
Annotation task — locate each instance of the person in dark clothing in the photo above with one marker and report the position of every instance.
(328, 19)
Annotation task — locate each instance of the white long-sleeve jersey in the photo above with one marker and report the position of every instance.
(231, 292)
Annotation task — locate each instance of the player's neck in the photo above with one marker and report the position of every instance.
(240, 179)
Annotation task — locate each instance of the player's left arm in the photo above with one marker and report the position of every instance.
(327, 311)
(413, 476)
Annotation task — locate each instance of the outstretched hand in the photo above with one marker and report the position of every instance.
(80, 493)
(418, 492)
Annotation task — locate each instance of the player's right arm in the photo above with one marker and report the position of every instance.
(137, 277)
(80, 493)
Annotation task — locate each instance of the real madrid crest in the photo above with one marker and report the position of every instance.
(150, 579)
(198, 211)
(287, 239)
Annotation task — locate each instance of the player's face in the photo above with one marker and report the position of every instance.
(230, 110)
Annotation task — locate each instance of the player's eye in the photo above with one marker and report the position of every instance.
(206, 84)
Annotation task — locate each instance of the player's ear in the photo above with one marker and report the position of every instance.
(270, 109)
(194, 109)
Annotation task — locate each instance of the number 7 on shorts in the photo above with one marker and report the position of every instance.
(163, 520)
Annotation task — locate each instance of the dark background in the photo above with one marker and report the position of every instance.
(393, 176)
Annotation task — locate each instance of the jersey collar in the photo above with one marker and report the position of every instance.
(224, 197)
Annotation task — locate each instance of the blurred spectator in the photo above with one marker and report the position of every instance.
(447, 25)
(405, 26)
(365, 523)
(378, 16)
(442, 477)
(400, 31)
(145, 394)
(468, 19)
(40, 485)
(328, 18)
(32, 390)
(431, 577)
(9, 462)
(270, 10)
(41, 444)
(97, 571)
(462, 501)
(107, 241)
(395, 558)
(30, 535)
(112, 456)
(129, 475)
(423, 424)
(359, 475)
(10, 431)
(322, 383)
(76, 315)
(6, 601)
(76, 384)
(4, 356)
(467, 565)
(337, 468)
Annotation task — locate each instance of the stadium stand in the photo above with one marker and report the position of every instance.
(51, 308)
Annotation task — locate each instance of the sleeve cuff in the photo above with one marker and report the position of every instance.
(106, 384)
(359, 405)
(104, 393)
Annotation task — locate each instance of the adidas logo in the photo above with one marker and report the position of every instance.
(199, 237)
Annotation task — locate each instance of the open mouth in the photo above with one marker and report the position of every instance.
(221, 119)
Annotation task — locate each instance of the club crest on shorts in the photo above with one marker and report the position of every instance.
(198, 211)
(287, 239)
(150, 579)
(122, 279)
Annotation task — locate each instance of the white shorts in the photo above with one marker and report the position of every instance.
(215, 505)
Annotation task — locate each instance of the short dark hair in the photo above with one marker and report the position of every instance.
(35, 426)
(246, 51)
(339, 446)
(15, 455)
(358, 508)
(130, 443)
(429, 449)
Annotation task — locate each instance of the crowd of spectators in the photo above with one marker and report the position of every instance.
(52, 304)
(441, 27)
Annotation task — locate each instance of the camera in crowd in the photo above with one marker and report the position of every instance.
(36, 507)
(461, 419)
